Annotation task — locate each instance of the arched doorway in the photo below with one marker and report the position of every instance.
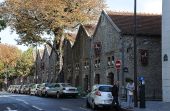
(110, 78)
(97, 79)
(86, 82)
(69, 80)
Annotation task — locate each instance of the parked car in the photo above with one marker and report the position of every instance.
(43, 89)
(18, 89)
(62, 89)
(28, 88)
(23, 89)
(100, 96)
(34, 89)
(10, 88)
(13, 89)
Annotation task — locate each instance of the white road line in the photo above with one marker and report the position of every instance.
(66, 109)
(22, 101)
(9, 109)
(37, 108)
(84, 109)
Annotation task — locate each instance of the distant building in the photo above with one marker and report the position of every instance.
(166, 50)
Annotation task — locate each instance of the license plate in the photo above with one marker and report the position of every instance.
(108, 101)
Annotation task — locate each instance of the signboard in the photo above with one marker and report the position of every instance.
(117, 64)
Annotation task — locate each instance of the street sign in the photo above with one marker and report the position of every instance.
(117, 64)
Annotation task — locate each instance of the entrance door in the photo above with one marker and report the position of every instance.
(97, 79)
(110, 78)
(86, 83)
(77, 81)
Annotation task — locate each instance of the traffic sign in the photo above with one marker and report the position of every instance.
(117, 64)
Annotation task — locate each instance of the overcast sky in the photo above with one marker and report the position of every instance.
(145, 6)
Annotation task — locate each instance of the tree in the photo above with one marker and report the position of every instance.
(31, 18)
(8, 56)
(24, 64)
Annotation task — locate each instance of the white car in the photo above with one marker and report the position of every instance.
(100, 96)
(34, 89)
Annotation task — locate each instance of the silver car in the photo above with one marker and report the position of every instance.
(62, 89)
(100, 96)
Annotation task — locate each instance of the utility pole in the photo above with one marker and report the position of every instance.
(135, 59)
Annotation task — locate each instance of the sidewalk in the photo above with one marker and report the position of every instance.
(151, 106)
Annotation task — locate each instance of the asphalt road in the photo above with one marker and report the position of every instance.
(16, 102)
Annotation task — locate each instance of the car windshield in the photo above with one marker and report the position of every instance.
(66, 85)
(47, 85)
(105, 88)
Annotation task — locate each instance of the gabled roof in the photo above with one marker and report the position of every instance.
(147, 24)
(90, 28)
(80, 31)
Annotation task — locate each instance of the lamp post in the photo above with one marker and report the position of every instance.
(135, 58)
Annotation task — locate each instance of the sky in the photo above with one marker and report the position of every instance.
(143, 6)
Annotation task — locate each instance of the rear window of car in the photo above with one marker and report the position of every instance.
(105, 88)
(66, 85)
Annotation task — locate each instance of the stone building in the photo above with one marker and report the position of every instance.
(45, 64)
(165, 50)
(39, 67)
(81, 57)
(67, 62)
(113, 40)
(53, 58)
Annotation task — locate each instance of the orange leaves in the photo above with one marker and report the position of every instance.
(8, 54)
(31, 18)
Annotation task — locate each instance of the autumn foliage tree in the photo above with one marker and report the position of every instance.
(32, 18)
(8, 56)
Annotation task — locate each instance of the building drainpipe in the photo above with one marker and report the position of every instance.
(90, 65)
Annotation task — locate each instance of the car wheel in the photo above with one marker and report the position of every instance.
(46, 94)
(58, 95)
(87, 104)
(94, 106)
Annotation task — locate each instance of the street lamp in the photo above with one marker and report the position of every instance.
(135, 59)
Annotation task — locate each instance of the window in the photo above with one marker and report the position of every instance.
(77, 66)
(97, 48)
(105, 88)
(97, 63)
(110, 60)
(86, 64)
(144, 57)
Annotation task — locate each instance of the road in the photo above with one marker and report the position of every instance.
(17, 102)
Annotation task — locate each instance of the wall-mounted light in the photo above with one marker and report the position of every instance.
(165, 57)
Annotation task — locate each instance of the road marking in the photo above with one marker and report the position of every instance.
(22, 101)
(37, 108)
(84, 109)
(9, 109)
(66, 109)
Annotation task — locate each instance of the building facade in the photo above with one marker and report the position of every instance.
(165, 50)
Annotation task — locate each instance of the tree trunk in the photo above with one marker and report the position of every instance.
(59, 38)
